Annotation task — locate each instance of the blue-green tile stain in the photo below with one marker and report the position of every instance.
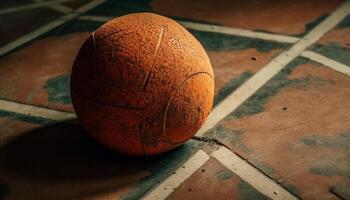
(232, 136)
(231, 86)
(311, 25)
(308, 27)
(219, 41)
(334, 166)
(225, 174)
(162, 167)
(4, 189)
(247, 192)
(334, 51)
(345, 22)
(341, 141)
(57, 89)
(255, 104)
(26, 118)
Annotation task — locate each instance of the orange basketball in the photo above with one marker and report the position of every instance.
(142, 84)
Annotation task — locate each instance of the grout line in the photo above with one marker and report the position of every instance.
(215, 29)
(89, 6)
(251, 175)
(337, 66)
(235, 99)
(239, 32)
(57, 7)
(34, 34)
(95, 18)
(61, 8)
(31, 6)
(35, 111)
(230, 103)
(164, 189)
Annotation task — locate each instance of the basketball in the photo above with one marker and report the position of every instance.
(141, 84)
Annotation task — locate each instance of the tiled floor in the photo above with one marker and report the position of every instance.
(287, 118)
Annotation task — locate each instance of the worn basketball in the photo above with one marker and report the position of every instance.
(141, 84)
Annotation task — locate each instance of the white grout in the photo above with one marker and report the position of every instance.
(31, 6)
(57, 7)
(337, 66)
(61, 8)
(164, 189)
(89, 6)
(251, 175)
(216, 29)
(32, 35)
(235, 99)
(96, 18)
(35, 111)
(239, 32)
(228, 105)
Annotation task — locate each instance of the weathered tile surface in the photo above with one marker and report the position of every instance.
(17, 24)
(296, 129)
(39, 73)
(294, 17)
(336, 43)
(49, 60)
(214, 181)
(284, 17)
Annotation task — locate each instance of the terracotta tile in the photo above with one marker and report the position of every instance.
(284, 17)
(296, 129)
(340, 35)
(233, 68)
(214, 181)
(270, 16)
(16, 24)
(336, 43)
(234, 61)
(39, 74)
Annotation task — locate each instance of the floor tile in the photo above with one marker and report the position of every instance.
(295, 129)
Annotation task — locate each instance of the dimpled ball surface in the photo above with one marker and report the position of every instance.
(141, 84)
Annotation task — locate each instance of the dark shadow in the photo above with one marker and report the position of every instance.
(61, 161)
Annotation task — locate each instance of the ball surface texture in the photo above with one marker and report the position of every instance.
(141, 84)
